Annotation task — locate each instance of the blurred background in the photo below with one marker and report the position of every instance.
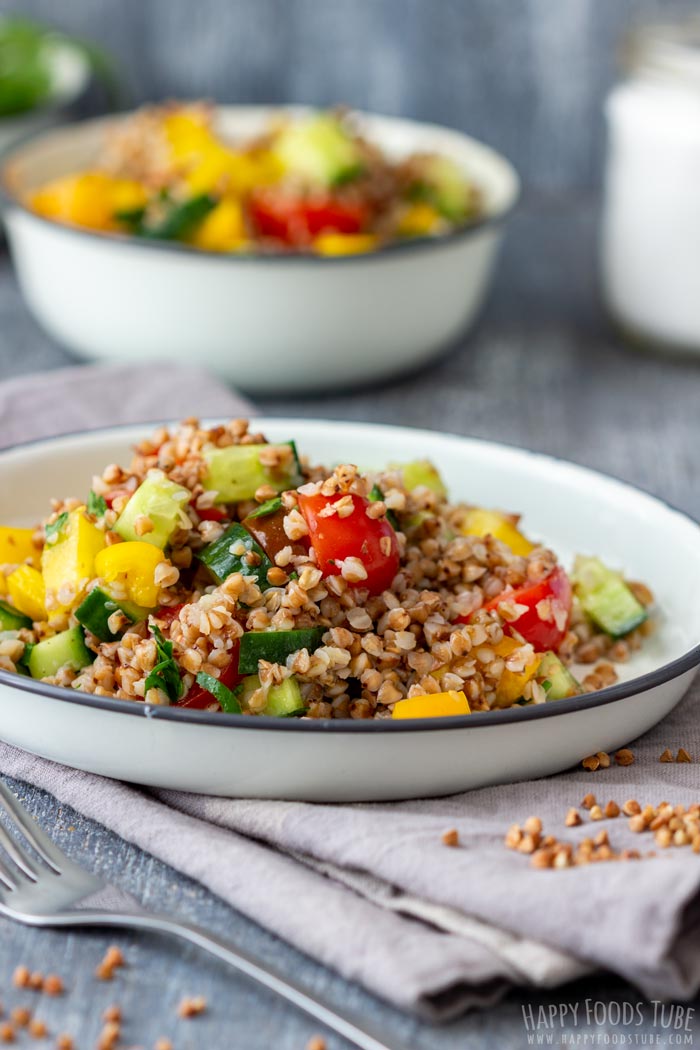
(527, 77)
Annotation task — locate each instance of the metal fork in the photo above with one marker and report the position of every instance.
(58, 892)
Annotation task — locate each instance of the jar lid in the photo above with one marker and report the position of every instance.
(669, 50)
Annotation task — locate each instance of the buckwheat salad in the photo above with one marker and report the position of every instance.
(222, 572)
(310, 183)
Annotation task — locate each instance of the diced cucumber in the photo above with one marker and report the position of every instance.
(12, 619)
(561, 681)
(421, 473)
(158, 499)
(606, 598)
(236, 473)
(444, 184)
(67, 649)
(275, 646)
(228, 554)
(283, 700)
(319, 149)
(94, 612)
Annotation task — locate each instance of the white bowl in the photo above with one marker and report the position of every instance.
(267, 323)
(572, 508)
(69, 71)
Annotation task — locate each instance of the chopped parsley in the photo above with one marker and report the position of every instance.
(166, 674)
(56, 526)
(269, 507)
(96, 505)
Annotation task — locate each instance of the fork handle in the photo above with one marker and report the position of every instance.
(348, 1025)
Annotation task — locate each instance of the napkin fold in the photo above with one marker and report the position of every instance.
(370, 889)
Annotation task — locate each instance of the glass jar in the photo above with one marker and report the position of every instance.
(651, 224)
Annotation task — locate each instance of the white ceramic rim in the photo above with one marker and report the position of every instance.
(496, 218)
(622, 690)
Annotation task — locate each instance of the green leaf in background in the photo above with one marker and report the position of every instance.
(25, 75)
(25, 65)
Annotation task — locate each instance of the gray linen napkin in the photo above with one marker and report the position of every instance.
(369, 889)
(85, 398)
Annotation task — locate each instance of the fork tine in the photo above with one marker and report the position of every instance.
(35, 836)
(17, 854)
(6, 878)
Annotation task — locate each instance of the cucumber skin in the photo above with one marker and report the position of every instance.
(95, 610)
(12, 619)
(221, 563)
(275, 646)
(67, 649)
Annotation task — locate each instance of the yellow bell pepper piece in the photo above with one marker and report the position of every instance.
(208, 164)
(16, 547)
(223, 229)
(89, 198)
(69, 561)
(187, 130)
(480, 522)
(224, 171)
(27, 592)
(345, 243)
(512, 683)
(419, 220)
(134, 564)
(128, 195)
(432, 705)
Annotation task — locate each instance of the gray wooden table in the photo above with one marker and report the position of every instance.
(542, 370)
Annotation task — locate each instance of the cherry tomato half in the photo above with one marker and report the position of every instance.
(296, 220)
(200, 698)
(371, 540)
(543, 625)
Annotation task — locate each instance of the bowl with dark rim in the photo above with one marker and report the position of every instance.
(574, 509)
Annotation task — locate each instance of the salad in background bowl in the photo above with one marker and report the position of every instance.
(267, 320)
(182, 744)
(307, 182)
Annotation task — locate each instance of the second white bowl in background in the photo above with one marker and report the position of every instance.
(267, 323)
